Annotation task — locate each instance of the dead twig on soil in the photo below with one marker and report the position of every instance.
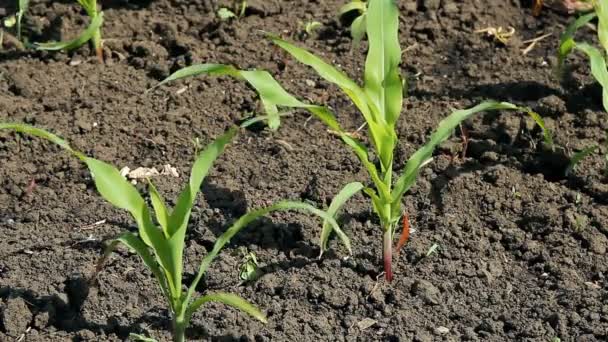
(498, 33)
(532, 43)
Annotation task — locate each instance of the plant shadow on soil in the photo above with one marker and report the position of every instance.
(64, 311)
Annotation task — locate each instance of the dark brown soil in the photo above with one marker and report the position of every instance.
(521, 247)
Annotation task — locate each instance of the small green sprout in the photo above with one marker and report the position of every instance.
(380, 102)
(358, 27)
(91, 33)
(432, 249)
(579, 156)
(23, 5)
(249, 269)
(240, 7)
(160, 243)
(311, 27)
(225, 14)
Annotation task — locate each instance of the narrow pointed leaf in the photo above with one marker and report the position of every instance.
(178, 221)
(160, 209)
(84, 37)
(355, 5)
(246, 219)
(135, 244)
(382, 76)
(363, 156)
(341, 198)
(271, 93)
(601, 8)
(579, 156)
(548, 137)
(40, 133)
(116, 190)
(90, 6)
(330, 74)
(566, 40)
(358, 29)
(228, 299)
(598, 69)
(443, 131)
(181, 213)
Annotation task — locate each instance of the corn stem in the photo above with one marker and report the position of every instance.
(387, 251)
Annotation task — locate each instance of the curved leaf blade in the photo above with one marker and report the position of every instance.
(355, 5)
(337, 202)
(566, 40)
(246, 219)
(77, 42)
(598, 69)
(443, 131)
(135, 244)
(579, 156)
(227, 299)
(160, 209)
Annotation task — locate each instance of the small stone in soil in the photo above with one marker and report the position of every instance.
(427, 291)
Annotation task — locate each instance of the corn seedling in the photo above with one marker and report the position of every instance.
(596, 56)
(161, 244)
(358, 25)
(91, 33)
(249, 269)
(240, 7)
(311, 27)
(379, 101)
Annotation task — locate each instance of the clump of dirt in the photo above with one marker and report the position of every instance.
(506, 245)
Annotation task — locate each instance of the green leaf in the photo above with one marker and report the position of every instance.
(135, 244)
(598, 69)
(181, 213)
(120, 193)
(344, 195)
(23, 6)
(330, 74)
(358, 29)
(178, 220)
(443, 131)
(246, 219)
(225, 14)
(140, 338)
(566, 40)
(40, 133)
(312, 26)
(160, 209)
(270, 91)
(383, 83)
(90, 6)
(228, 299)
(363, 156)
(84, 37)
(579, 156)
(355, 5)
(601, 9)
(541, 123)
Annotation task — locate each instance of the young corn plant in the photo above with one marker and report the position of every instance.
(160, 244)
(597, 58)
(380, 102)
(92, 33)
